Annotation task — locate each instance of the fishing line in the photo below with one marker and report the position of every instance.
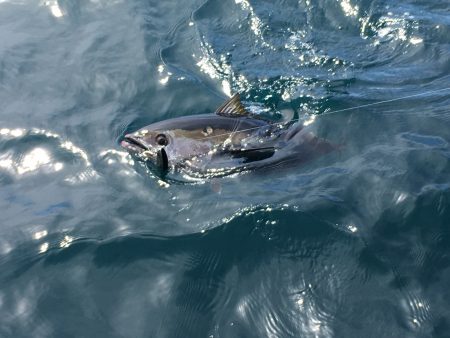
(385, 101)
(340, 110)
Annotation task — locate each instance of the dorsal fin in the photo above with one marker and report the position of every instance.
(232, 108)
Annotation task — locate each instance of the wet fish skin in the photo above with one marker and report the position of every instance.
(192, 135)
(229, 141)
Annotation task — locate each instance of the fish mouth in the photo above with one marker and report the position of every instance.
(159, 158)
(133, 143)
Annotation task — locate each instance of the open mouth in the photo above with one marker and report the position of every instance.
(134, 143)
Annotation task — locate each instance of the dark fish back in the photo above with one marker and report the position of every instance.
(195, 122)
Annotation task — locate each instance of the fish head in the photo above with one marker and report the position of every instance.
(148, 145)
(170, 142)
(145, 142)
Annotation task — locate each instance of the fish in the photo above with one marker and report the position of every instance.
(230, 141)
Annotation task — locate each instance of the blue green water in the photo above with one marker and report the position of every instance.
(353, 244)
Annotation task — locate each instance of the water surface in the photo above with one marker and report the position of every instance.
(353, 244)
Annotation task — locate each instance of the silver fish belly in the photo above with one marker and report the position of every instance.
(229, 141)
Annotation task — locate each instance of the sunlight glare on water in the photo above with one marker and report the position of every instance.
(354, 243)
(54, 8)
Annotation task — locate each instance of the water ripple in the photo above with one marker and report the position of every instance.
(49, 156)
(354, 244)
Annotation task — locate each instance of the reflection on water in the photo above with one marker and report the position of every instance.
(40, 234)
(54, 8)
(40, 158)
(354, 244)
(66, 241)
(254, 22)
(348, 9)
(43, 247)
(36, 159)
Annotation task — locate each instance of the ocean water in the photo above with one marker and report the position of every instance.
(353, 244)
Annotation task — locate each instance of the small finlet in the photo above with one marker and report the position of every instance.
(232, 108)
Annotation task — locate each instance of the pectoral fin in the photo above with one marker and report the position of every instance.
(251, 155)
(162, 162)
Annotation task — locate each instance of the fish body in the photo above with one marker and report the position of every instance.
(229, 141)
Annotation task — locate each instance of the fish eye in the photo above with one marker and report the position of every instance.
(162, 140)
(207, 131)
